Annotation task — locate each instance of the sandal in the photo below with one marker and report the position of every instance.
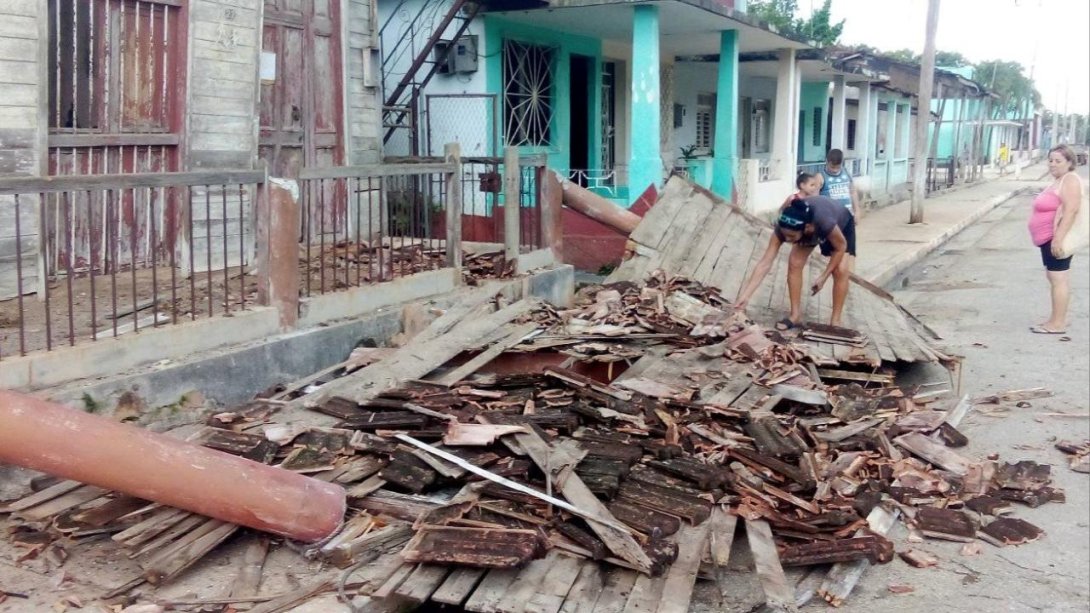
(1044, 330)
(786, 324)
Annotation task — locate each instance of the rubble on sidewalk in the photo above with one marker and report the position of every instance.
(602, 456)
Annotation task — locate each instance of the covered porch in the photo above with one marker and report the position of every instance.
(654, 88)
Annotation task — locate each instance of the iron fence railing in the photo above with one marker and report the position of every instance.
(362, 225)
(96, 256)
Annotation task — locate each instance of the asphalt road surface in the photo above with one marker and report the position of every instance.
(982, 291)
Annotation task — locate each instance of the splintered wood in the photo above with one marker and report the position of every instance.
(601, 471)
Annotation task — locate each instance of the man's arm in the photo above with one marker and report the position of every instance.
(840, 250)
(857, 202)
(760, 271)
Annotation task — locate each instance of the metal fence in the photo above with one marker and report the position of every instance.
(368, 224)
(941, 173)
(90, 257)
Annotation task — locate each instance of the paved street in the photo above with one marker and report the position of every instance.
(981, 292)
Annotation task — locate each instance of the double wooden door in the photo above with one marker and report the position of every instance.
(301, 107)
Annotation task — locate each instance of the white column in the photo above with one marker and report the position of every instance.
(786, 109)
(863, 127)
(905, 131)
(837, 141)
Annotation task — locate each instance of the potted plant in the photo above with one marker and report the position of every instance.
(698, 166)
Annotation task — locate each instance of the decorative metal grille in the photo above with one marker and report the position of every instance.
(705, 121)
(527, 93)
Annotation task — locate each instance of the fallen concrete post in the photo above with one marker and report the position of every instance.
(598, 208)
(67, 443)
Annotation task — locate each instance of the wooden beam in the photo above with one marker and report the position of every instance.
(619, 541)
(376, 170)
(80, 183)
(778, 594)
(681, 577)
(513, 338)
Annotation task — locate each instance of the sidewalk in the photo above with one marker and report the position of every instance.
(888, 244)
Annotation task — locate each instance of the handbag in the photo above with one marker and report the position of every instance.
(1078, 236)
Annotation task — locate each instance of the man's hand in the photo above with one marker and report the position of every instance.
(820, 283)
(741, 305)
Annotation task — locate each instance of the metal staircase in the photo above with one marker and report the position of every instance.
(400, 108)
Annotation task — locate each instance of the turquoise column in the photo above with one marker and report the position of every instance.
(645, 159)
(726, 116)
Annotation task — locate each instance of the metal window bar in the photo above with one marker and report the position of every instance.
(75, 303)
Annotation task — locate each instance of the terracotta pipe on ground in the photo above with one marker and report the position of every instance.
(68, 443)
(598, 208)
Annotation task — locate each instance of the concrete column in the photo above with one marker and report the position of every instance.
(904, 132)
(863, 127)
(891, 138)
(838, 139)
(645, 159)
(872, 132)
(726, 115)
(783, 124)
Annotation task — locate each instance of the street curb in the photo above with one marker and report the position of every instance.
(912, 258)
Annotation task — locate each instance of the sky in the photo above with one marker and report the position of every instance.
(1051, 36)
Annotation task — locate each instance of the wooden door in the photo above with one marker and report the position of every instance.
(301, 114)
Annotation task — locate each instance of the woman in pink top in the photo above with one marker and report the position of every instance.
(1062, 197)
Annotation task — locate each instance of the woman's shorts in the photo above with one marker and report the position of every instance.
(1053, 263)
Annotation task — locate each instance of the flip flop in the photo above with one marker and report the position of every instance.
(786, 324)
(1044, 330)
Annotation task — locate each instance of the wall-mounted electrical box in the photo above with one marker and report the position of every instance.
(462, 56)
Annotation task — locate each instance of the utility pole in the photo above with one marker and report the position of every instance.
(923, 114)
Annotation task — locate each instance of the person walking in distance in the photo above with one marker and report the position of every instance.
(1052, 218)
(806, 223)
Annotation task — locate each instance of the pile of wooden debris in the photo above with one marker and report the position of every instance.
(523, 457)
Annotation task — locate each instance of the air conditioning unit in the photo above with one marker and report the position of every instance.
(462, 56)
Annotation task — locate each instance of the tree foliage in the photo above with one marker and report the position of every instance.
(1008, 81)
(782, 15)
(951, 59)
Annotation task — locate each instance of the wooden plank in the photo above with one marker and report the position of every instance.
(393, 581)
(458, 586)
(253, 563)
(415, 360)
(843, 576)
(680, 244)
(37, 498)
(681, 577)
(645, 595)
(584, 593)
(935, 453)
(614, 595)
(491, 590)
(59, 505)
(423, 581)
(79, 183)
(188, 551)
(526, 584)
(513, 338)
(778, 593)
(720, 541)
(619, 541)
(556, 585)
(160, 520)
(377, 170)
(712, 242)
